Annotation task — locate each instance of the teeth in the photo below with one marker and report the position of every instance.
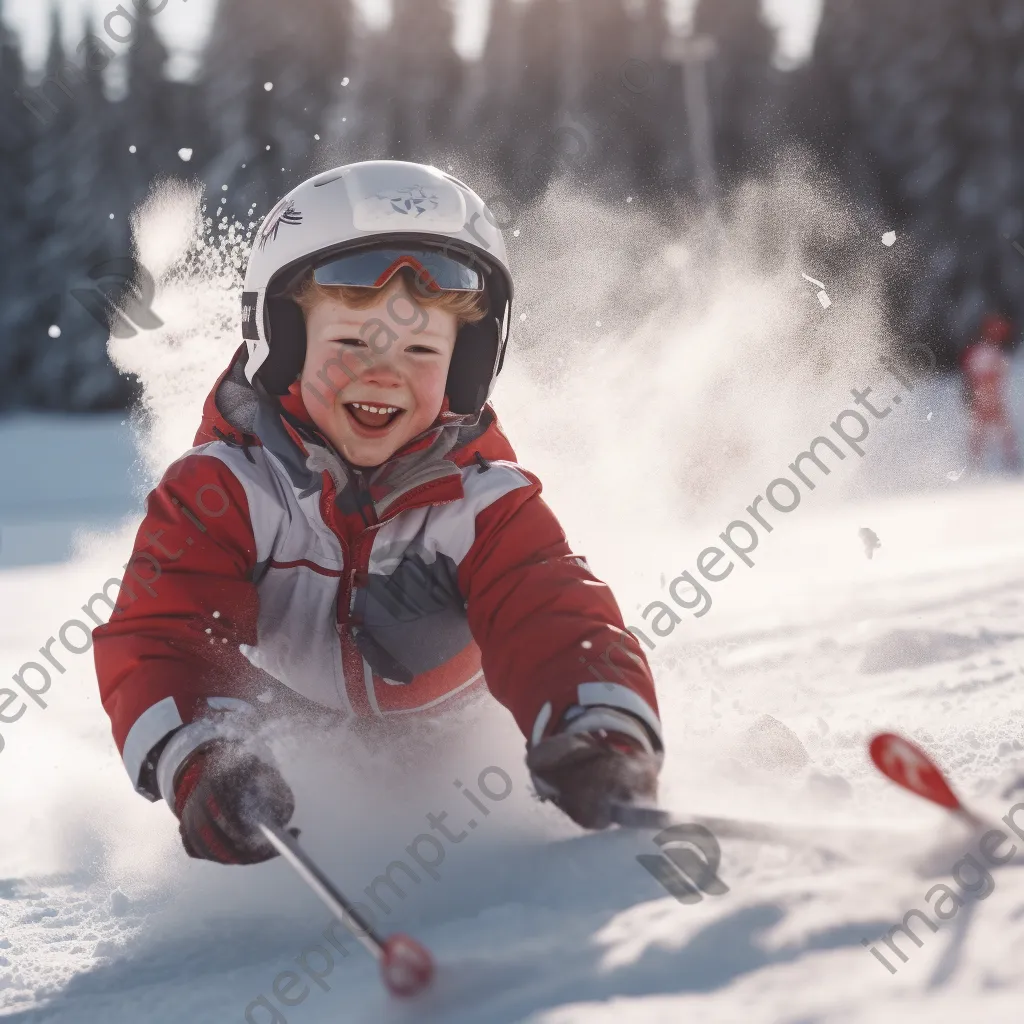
(388, 409)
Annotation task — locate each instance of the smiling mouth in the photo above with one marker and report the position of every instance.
(371, 420)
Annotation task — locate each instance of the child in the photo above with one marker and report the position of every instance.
(351, 530)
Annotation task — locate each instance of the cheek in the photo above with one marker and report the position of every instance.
(309, 364)
(320, 384)
(430, 383)
(328, 370)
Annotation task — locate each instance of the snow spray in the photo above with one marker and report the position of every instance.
(286, 982)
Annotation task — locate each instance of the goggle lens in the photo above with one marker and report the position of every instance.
(374, 268)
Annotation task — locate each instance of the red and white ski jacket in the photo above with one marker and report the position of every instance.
(264, 560)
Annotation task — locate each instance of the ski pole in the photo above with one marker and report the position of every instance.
(406, 966)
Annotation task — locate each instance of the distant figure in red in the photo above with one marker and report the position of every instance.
(985, 368)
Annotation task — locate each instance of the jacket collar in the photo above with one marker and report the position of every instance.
(422, 471)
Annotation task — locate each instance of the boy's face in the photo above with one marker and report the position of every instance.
(392, 357)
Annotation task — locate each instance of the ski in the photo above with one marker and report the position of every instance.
(406, 966)
(906, 764)
(897, 758)
(828, 838)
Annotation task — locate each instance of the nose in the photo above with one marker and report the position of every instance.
(382, 373)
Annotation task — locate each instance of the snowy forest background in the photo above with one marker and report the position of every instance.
(909, 105)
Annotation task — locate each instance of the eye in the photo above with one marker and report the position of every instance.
(423, 349)
(349, 341)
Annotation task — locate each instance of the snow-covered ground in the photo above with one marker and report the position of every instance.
(104, 920)
(648, 451)
(62, 474)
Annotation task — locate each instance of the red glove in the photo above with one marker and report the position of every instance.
(590, 764)
(222, 795)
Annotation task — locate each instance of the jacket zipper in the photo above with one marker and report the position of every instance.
(351, 656)
(353, 671)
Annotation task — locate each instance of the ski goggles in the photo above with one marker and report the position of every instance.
(435, 271)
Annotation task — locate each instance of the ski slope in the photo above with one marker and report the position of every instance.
(651, 433)
(104, 920)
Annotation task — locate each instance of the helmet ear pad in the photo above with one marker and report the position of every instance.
(473, 359)
(478, 355)
(285, 325)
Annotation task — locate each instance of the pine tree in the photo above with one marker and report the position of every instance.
(821, 103)
(414, 83)
(75, 189)
(745, 89)
(602, 88)
(658, 142)
(546, 46)
(156, 116)
(46, 260)
(928, 101)
(269, 76)
(601, 32)
(496, 85)
(16, 139)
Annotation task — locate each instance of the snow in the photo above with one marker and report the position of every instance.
(62, 475)
(103, 919)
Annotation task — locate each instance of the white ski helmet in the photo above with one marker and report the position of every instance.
(365, 206)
